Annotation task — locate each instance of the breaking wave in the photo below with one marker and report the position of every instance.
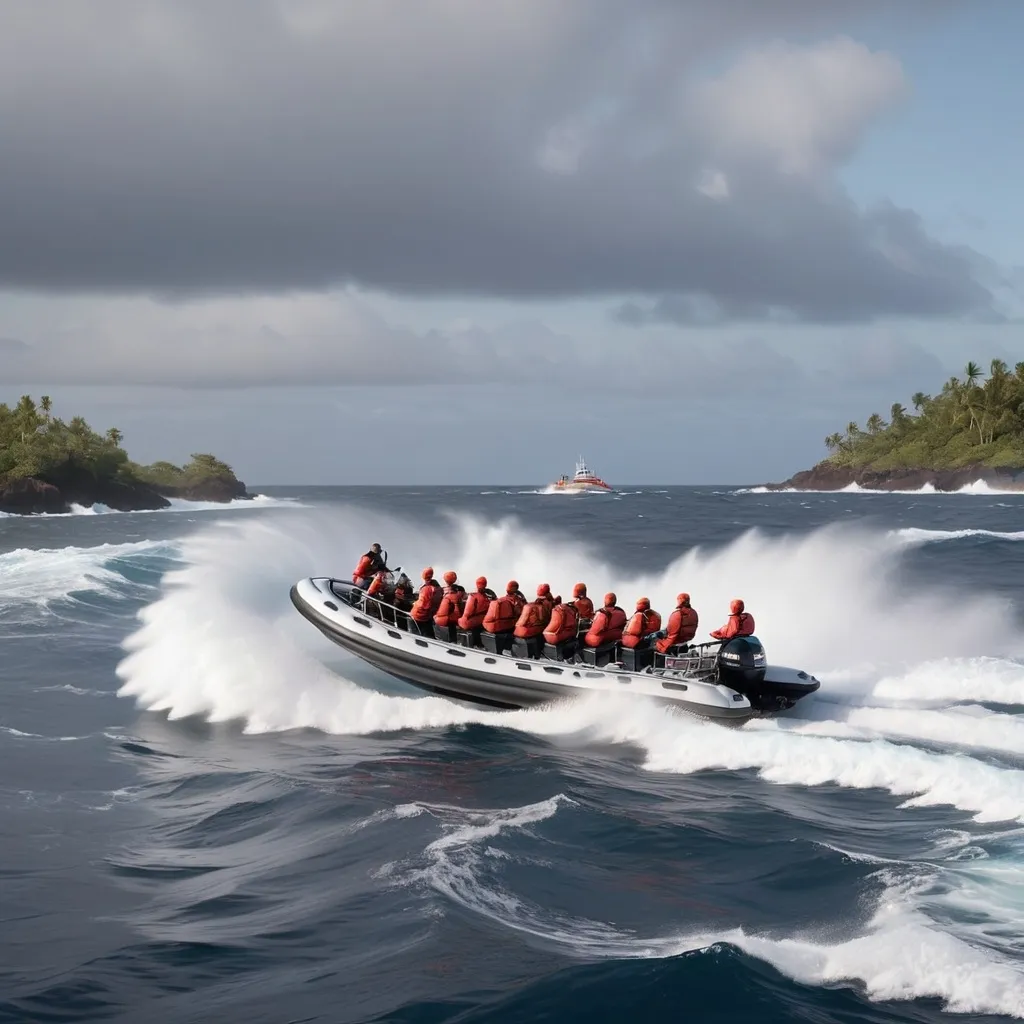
(177, 505)
(929, 718)
(913, 535)
(44, 577)
(977, 487)
(900, 953)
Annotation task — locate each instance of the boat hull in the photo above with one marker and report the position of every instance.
(495, 681)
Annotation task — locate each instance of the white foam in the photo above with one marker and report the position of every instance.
(972, 728)
(916, 536)
(939, 682)
(176, 505)
(978, 487)
(901, 954)
(41, 576)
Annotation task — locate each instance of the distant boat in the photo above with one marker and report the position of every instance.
(582, 480)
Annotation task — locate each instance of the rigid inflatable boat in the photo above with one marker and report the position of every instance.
(725, 680)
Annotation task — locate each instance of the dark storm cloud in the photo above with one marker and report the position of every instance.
(909, 273)
(507, 148)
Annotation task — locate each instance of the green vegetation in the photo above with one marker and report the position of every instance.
(973, 422)
(34, 443)
(166, 476)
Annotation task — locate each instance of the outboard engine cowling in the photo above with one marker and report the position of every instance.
(742, 661)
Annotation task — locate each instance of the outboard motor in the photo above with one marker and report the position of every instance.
(742, 662)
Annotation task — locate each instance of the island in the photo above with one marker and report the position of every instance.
(973, 431)
(47, 465)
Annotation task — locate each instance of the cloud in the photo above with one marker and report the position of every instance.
(238, 342)
(339, 340)
(515, 148)
(799, 109)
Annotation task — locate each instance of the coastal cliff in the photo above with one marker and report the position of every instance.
(47, 465)
(972, 432)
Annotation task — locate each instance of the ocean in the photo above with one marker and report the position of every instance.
(210, 813)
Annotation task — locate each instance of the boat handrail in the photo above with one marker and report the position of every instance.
(355, 597)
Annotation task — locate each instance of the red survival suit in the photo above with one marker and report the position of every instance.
(403, 593)
(517, 596)
(563, 624)
(534, 617)
(370, 564)
(503, 611)
(645, 620)
(739, 623)
(608, 624)
(584, 606)
(452, 601)
(476, 607)
(682, 625)
(428, 600)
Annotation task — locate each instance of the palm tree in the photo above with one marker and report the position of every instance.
(833, 441)
(875, 424)
(953, 389)
(920, 400)
(969, 396)
(114, 436)
(46, 404)
(897, 415)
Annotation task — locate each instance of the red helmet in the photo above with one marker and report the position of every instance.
(682, 598)
(736, 607)
(543, 589)
(580, 590)
(450, 577)
(610, 598)
(512, 586)
(428, 573)
(643, 603)
(481, 582)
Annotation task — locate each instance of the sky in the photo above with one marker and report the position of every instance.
(343, 242)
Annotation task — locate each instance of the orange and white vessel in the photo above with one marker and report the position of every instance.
(582, 480)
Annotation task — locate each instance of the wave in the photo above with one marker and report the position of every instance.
(901, 954)
(43, 576)
(223, 642)
(977, 487)
(177, 505)
(913, 535)
(971, 727)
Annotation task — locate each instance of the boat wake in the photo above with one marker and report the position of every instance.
(929, 718)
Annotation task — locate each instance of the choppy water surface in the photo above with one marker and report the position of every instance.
(209, 813)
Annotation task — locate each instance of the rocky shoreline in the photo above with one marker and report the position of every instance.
(828, 477)
(34, 496)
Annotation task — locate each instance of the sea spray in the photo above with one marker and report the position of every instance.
(222, 641)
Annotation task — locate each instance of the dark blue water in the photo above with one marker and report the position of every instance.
(211, 814)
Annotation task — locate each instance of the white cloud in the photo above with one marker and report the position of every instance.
(804, 108)
(713, 184)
